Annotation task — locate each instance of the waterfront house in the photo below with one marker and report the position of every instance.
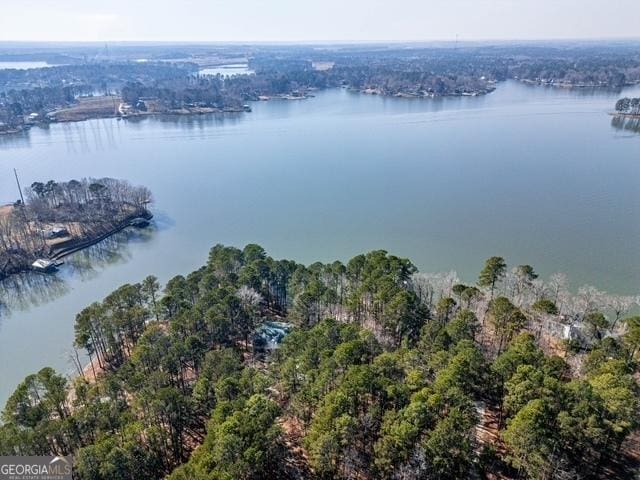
(55, 232)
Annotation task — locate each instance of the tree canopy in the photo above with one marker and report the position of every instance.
(384, 374)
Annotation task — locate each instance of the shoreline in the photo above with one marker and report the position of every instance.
(425, 96)
(625, 115)
(572, 85)
(81, 116)
(168, 113)
(75, 245)
(71, 116)
(196, 111)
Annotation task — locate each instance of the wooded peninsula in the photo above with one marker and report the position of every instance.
(55, 219)
(383, 373)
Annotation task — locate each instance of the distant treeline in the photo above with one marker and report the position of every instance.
(103, 76)
(415, 72)
(213, 91)
(595, 66)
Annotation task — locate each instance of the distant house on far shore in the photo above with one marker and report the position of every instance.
(32, 118)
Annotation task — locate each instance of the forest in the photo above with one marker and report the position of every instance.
(76, 210)
(387, 373)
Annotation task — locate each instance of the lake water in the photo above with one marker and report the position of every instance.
(23, 65)
(227, 70)
(537, 175)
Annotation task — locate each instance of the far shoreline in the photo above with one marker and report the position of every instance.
(78, 113)
(104, 107)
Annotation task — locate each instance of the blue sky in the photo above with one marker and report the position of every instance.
(312, 20)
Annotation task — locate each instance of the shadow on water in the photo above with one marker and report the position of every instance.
(87, 264)
(19, 139)
(629, 124)
(195, 122)
(592, 91)
(26, 290)
(186, 121)
(100, 134)
(161, 222)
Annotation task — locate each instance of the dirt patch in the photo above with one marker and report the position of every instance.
(297, 461)
(5, 210)
(92, 370)
(627, 463)
(88, 107)
(488, 428)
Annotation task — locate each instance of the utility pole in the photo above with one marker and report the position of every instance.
(19, 188)
(23, 209)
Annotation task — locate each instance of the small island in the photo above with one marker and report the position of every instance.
(54, 219)
(628, 107)
(626, 116)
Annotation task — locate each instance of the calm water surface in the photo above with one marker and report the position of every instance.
(227, 70)
(24, 65)
(537, 175)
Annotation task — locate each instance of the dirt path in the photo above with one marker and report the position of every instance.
(5, 210)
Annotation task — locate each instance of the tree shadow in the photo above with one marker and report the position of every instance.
(23, 291)
(626, 123)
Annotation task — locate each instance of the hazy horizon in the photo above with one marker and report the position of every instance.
(364, 42)
(330, 21)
